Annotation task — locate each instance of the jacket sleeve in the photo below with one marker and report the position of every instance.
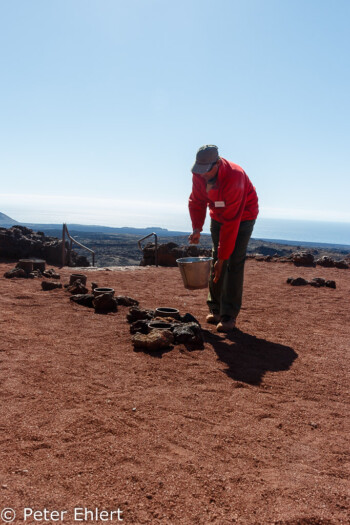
(235, 199)
(197, 203)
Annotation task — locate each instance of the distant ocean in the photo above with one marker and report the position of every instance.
(174, 219)
(308, 231)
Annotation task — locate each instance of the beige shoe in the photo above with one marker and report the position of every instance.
(213, 318)
(227, 323)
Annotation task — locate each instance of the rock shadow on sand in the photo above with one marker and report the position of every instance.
(248, 358)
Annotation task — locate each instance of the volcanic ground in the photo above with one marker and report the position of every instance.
(249, 430)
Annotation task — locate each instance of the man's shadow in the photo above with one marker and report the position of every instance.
(248, 358)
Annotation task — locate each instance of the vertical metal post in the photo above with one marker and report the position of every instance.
(63, 245)
(155, 246)
(68, 255)
(156, 250)
(70, 252)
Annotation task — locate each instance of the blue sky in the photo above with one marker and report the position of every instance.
(104, 103)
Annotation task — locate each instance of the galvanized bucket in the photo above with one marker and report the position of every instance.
(195, 271)
(77, 276)
(101, 291)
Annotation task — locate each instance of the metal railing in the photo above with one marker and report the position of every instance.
(71, 240)
(156, 245)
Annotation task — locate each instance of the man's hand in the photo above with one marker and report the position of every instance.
(218, 269)
(194, 237)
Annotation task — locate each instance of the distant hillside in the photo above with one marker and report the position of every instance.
(163, 234)
(6, 221)
(308, 244)
(122, 250)
(46, 228)
(56, 230)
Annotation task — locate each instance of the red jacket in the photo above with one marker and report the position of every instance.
(232, 200)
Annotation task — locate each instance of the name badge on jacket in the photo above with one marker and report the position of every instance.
(219, 204)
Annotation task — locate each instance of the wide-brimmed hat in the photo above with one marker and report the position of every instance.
(206, 156)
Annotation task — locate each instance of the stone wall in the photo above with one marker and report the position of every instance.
(169, 252)
(19, 242)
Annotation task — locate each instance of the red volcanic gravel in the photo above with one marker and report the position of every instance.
(249, 430)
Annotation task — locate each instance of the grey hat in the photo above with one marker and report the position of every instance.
(206, 156)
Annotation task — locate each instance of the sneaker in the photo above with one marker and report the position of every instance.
(226, 324)
(213, 318)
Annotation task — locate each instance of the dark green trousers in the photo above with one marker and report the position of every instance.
(225, 296)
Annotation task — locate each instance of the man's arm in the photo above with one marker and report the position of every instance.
(194, 237)
(218, 269)
(197, 205)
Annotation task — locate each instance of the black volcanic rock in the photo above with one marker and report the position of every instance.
(155, 340)
(188, 333)
(51, 274)
(136, 314)
(140, 326)
(34, 274)
(105, 303)
(269, 250)
(342, 265)
(303, 259)
(326, 262)
(15, 272)
(20, 242)
(124, 300)
(189, 318)
(169, 252)
(299, 281)
(83, 299)
(317, 282)
(50, 285)
(77, 288)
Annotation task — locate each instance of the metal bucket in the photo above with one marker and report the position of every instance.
(39, 264)
(101, 291)
(195, 271)
(26, 265)
(77, 276)
(159, 325)
(166, 311)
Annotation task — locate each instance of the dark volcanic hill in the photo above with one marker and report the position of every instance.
(6, 221)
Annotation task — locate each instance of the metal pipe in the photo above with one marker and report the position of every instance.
(64, 231)
(156, 250)
(70, 252)
(63, 245)
(155, 243)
